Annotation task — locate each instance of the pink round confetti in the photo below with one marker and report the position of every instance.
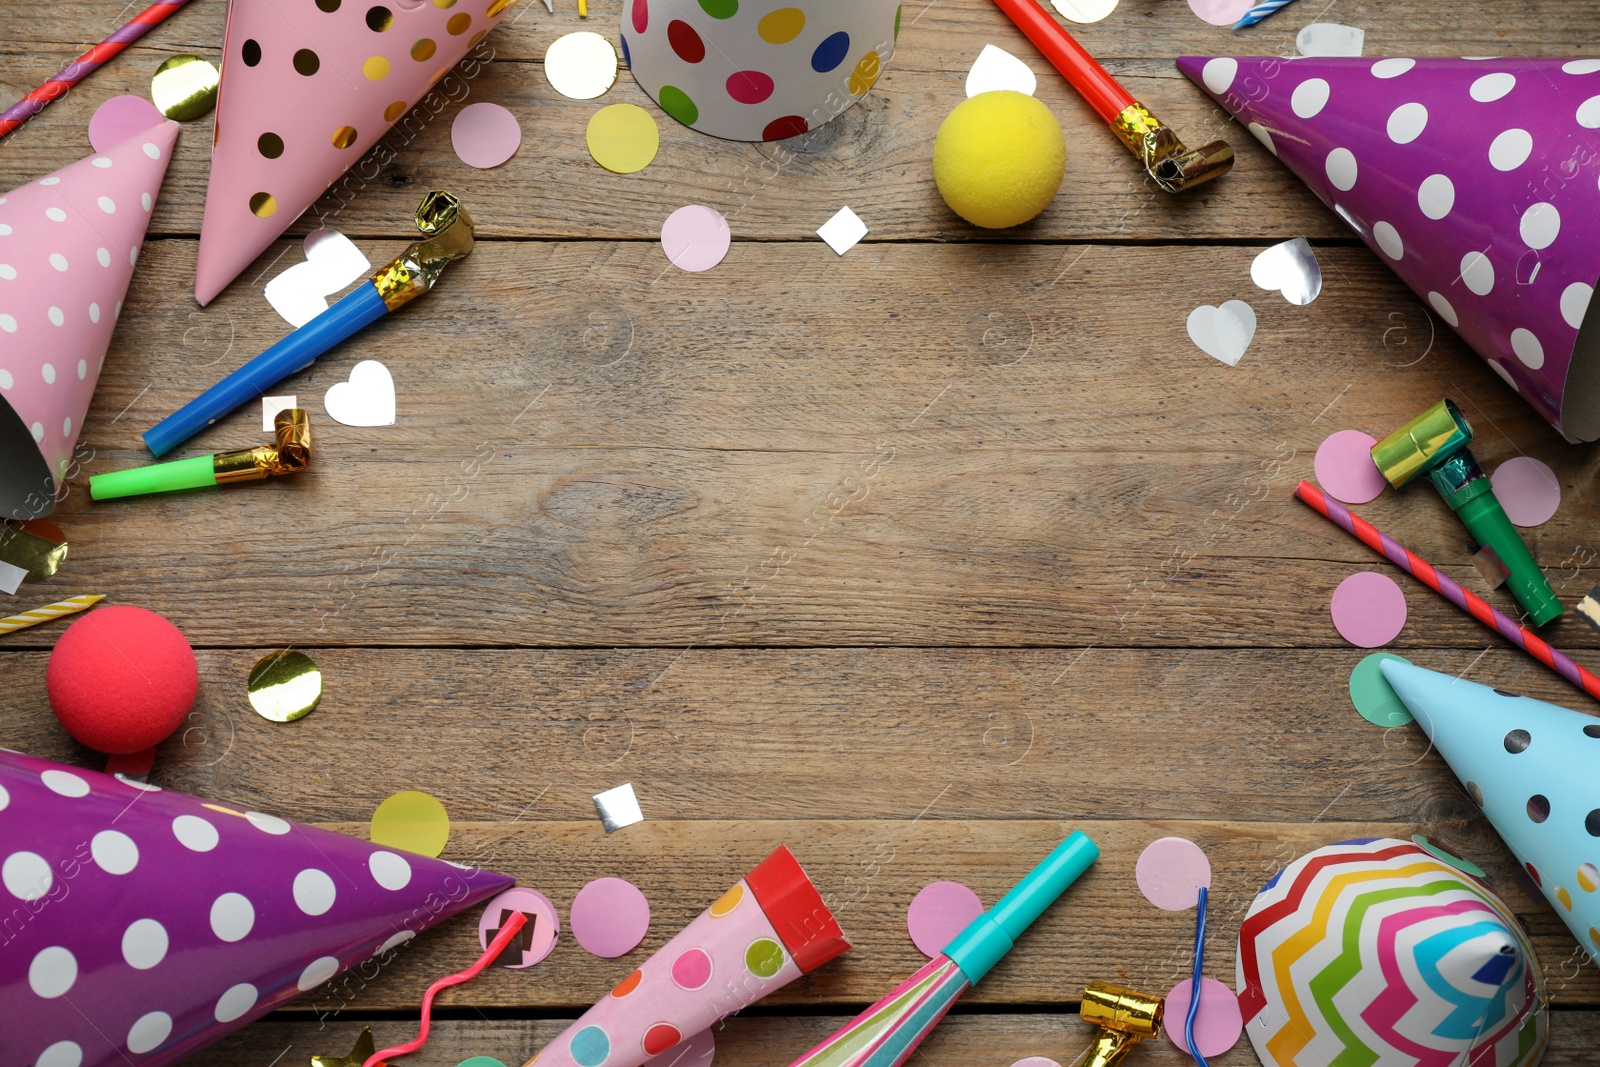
(1036, 1061)
(1221, 12)
(1345, 469)
(1528, 490)
(120, 118)
(1369, 609)
(695, 238)
(485, 135)
(609, 917)
(697, 1051)
(1217, 1026)
(1171, 871)
(538, 936)
(938, 913)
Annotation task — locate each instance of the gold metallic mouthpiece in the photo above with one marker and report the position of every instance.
(1171, 164)
(1124, 1017)
(290, 454)
(447, 236)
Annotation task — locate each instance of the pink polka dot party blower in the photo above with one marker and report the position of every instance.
(1472, 179)
(762, 934)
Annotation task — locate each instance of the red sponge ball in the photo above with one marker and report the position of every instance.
(121, 679)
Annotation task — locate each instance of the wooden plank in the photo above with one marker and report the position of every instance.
(1258, 735)
(753, 1040)
(595, 450)
(875, 157)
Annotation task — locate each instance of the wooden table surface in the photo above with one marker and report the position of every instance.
(914, 559)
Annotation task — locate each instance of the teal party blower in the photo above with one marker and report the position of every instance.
(886, 1034)
(447, 236)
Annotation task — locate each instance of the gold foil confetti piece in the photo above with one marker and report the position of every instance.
(35, 545)
(412, 821)
(184, 87)
(364, 1043)
(285, 686)
(618, 807)
(581, 66)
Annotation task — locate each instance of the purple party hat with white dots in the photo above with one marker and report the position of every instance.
(1476, 180)
(1531, 767)
(138, 925)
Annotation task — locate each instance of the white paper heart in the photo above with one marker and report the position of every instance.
(1225, 332)
(995, 68)
(1290, 268)
(367, 399)
(332, 262)
(1329, 39)
(1084, 11)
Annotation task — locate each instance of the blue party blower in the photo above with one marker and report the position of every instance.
(447, 236)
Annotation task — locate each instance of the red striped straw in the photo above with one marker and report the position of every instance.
(1472, 604)
(86, 64)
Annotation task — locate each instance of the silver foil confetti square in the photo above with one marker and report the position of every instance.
(618, 807)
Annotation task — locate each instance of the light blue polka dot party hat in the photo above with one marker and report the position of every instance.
(1531, 767)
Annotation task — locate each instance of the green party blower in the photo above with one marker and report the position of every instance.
(289, 454)
(886, 1034)
(1435, 443)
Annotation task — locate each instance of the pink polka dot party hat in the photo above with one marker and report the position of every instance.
(1476, 180)
(308, 87)
(138, 925)
(68, 245)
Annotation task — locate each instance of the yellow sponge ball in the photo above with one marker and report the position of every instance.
(999, 158)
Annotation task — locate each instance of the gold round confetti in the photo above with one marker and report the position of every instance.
(330, 6)
(379, 18)
(443, 4)
(270, 145)
(344, 137)
(376, 68)
(285, 686)
(394, 111)
(423, 50)
(263, 205)
(411, 821)
(184, 87)
(306, 62)
(458, 23)
(498, 6)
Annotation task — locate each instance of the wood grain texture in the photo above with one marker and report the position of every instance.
(914, 559)
(962, 1039)
(947, 444)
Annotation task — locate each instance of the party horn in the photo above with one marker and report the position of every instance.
(447, 236)
(1170, 163)
(759, 936)
(289, 454)
(886, 1034)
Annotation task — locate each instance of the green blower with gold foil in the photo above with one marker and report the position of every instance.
(1435, 443)
(290, 453)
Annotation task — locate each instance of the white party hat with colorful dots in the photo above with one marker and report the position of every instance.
(139, 925)
(1476, 180)
(68, 245)
(307, 88)
(1531, 767)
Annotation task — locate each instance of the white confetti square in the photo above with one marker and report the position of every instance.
(618, 807)
(844, 231)
(10, 577)
(271, 405)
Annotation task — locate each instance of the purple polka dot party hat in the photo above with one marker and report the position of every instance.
(1476, 180)
(1531, 767)
(138, 925)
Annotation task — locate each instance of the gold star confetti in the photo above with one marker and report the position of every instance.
(358, 1055)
